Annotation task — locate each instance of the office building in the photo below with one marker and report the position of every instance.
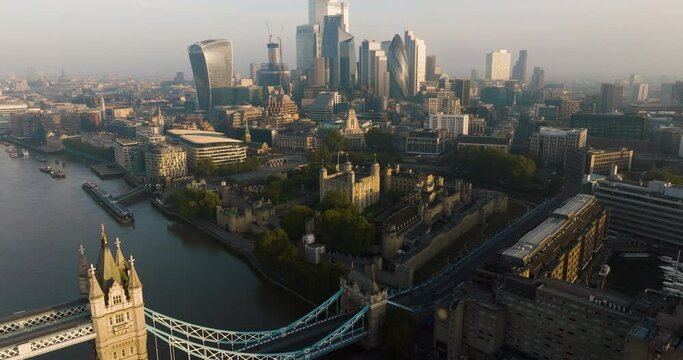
(445, 102)
(319, 9)
(165, 162)
(484, 143)
(198, 145)
(612, 126)
(651, 211)
(362, 191)
(462, 91)
(379, 77)
(126, 154)
(498, 65)
(498, 96)
(517, 318)
(519, 71)
(585, 161)
(566, 107)
(212, 68)
(416, 52)
(308, 47)
(537, 79)
(274, 73)
(426, 142)
(430, 68)
(611, 96)
(550, 144)
(640, 92)
(398, 68)
(563, 245)
(253, 70)
(322, 109)
(340, 50)
(366, 49)
(456, 125)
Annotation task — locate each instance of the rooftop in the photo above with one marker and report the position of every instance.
(538, 238)
(559, 132)
(209, 140)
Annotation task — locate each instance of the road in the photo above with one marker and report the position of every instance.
(424, 297)
(293, 161)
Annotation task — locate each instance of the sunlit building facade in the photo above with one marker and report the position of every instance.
(212, 68)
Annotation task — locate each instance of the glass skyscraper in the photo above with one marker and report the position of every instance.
(308, 42)
(398, 68)
(340, 49)
(212, 69)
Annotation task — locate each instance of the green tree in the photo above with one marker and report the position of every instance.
(335, 200)
(205, 167)
(294, 222)
(380, 140)
(399, 335)
(333, 141)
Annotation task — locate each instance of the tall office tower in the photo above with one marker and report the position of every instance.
(462, 91)
(253, 69)
(308, 42)
(634, 79)
(538, 79)
(274, 73)
(417, 61)
(519, 71)
(366, 49)
(179, 77)
(430, 68)
(474, 75)
(640, 92)
(321, 72)
(611, 97)
(398, 68)
(379, 74)
(677, 91)
(212, 69)
(319, 9)
(667, 92)
(498, 65)
(339, 49)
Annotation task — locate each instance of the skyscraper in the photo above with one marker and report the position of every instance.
(538, 79)
(339, 49)
(498, 65)
(416, 51)
(640, 92)
(212, 69)
(253, 69)
(308, 42)
(611, 97)
(319, 9)
(462, 91)
(378, 82)
(430, 68)
(274, 73)
(398, 68)
(366, 49)
(519, 71)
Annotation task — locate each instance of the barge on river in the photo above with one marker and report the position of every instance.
(120, 213)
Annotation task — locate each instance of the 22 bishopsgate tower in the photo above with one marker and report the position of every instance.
(212, 68)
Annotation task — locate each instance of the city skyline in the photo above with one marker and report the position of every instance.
(157, 35)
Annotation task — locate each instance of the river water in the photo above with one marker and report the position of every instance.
(185, 274)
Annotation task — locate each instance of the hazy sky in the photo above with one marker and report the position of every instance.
(597, 38)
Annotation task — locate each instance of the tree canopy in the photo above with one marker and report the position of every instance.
(205, 167)
(341, 228)
(491, 166)
(380, 140)
(294, 222)
(194, 204)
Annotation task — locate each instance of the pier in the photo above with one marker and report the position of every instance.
(115, 204)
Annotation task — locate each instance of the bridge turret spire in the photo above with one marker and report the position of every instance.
(103, 236)
(133, 279)
(119, 258)
(108, 272)
(95, 289)
(83, 273)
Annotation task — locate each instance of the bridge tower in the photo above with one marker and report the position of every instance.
(359, 291)
(114, 292)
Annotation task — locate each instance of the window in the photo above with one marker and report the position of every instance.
(115, 355)
(117, 299)
(123, 352)
(119, 318)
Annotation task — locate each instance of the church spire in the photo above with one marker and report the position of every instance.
(103, 237)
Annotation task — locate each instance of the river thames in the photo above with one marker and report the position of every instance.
(185, 274)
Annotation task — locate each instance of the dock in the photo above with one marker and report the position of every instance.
(107, 171)
(109, 203)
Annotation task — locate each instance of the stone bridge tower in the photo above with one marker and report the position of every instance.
(359, 291)
(114, 292)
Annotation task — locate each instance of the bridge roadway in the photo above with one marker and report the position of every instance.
(300, 339)
(423, 298)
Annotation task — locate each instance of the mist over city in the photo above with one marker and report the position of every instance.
(341, 179)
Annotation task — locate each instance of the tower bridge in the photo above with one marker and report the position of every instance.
(111, 315)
